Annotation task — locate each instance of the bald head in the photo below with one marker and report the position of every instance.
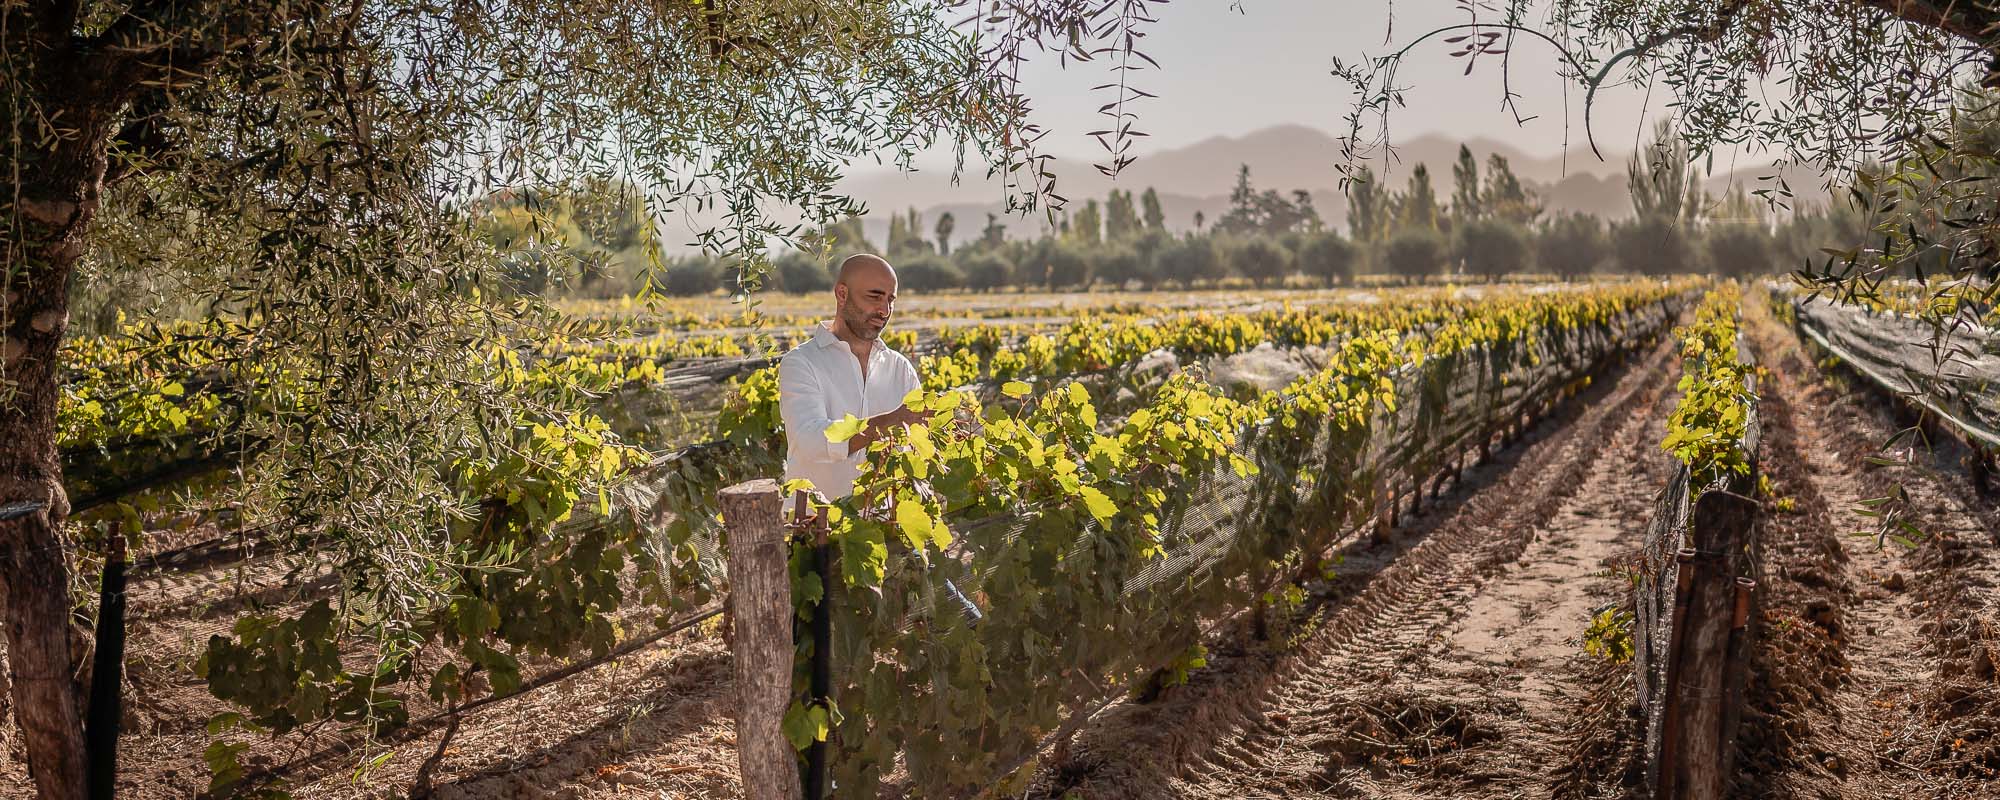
(867, 264)
(865, 296)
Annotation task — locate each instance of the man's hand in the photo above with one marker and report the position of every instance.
(903, 415)
(880, 424)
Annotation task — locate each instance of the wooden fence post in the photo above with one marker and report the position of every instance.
(1695, 746)
(1736, 669)
(760, 622)
(100, 727)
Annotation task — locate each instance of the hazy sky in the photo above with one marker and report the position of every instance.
(1229, 70)
(1231, 67)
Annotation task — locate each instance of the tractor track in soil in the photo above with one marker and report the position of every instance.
(1874, 674)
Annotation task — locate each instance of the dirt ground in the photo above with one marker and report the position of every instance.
(654, 722)
(1876, 675)
(1445, 661)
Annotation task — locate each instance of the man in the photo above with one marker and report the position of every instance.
(845, 369)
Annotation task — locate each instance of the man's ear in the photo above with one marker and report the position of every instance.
(840, 293)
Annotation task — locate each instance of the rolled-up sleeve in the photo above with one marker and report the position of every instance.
(802, 404)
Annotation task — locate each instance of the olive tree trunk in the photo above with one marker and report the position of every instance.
(62, 124)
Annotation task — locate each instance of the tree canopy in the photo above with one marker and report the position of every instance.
(1833, 83)
(309, 175)
(1856, 74)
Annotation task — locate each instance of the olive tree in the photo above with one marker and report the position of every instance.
(1571, 245)
(1491, 248)
(304, 170)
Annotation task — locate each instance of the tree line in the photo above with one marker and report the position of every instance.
(593, 239)
(1489, 226)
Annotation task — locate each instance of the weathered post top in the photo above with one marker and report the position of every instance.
(748, 496)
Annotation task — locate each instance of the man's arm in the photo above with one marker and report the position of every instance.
(880, 425)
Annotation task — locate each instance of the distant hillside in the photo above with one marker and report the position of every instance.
(1291, 156)
(1286, 157)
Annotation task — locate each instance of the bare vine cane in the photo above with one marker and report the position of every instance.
(810, 524)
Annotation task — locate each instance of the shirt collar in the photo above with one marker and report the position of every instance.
(823, 337)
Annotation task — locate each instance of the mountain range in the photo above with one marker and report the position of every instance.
(1198, 177)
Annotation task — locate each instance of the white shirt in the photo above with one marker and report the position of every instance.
(819, 383)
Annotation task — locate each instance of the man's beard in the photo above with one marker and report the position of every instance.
(860, 325)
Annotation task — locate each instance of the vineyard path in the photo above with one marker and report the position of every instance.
(1848, 666)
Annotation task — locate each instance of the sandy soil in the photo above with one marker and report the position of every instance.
(657, 719)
